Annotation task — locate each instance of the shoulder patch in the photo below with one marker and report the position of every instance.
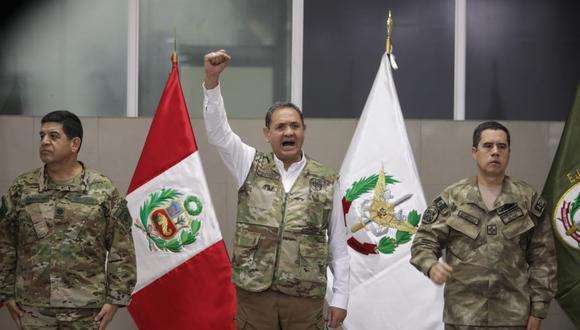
(539, 207)
(441, 206)
(123, 216)
(430, 215)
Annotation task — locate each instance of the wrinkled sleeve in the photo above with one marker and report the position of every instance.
(541, 259)
(121, 267)
(430, 239)
(8, 244)
(339, 260)
(236, 155)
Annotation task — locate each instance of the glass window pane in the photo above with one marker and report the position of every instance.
(65, 55)
(256, 33)
(522, 59)
(343, 45)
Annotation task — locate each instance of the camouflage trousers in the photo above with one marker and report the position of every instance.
(40, 318)
(474, 327)
(272, 310)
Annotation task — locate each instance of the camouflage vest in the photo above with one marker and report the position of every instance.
(280, 240)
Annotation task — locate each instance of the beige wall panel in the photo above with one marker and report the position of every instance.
(529, 152)
(89, 153)
(327, 141)
(120, 143)
(445, 151)
(414, 133)
(4, 185)
(19, 146)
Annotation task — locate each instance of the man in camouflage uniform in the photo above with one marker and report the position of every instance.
(284, 200)
(500, 267)
(66, 252)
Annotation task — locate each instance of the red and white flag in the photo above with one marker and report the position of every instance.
(183, 270)
(382, 201)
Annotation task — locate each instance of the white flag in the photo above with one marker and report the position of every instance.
(382, 201)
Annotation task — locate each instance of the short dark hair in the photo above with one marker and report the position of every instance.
(281, 105)
(71, 124)
(493, 125)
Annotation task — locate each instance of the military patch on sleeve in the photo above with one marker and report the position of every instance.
(441, 206)
(539, 207)
(430, 215)
(122, 214)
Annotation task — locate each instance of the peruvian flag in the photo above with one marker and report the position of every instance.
(382, 202)
(183, 270)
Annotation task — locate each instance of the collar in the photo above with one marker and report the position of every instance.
(507, 194)
(298, 164)
(44, 182)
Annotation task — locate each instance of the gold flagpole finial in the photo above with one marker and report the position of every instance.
(389, 45)
(174, 54)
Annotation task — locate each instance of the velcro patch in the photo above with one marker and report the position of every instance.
(466, 216)
(33, 199)
(441, 206)
(539, 207)
(123, 215)
(506, 208)
(511, 214)
(430, 215)
(85, 200)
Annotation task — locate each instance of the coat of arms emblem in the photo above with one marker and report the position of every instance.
(380, 213)
(170, 219)
(566, 219)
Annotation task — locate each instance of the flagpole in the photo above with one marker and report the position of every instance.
(389, 44)
(174, 54)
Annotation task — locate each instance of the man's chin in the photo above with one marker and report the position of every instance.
(285, 155)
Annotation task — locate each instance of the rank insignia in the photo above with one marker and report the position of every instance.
(430, 215)
(539, 207)
(441, 206)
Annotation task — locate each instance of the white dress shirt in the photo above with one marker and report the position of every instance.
(238, 158)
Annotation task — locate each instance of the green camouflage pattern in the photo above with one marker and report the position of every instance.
(39, 318)
(280, 241)
(66, 244)
(504, 266)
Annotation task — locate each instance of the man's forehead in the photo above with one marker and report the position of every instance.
(285, 115)
(493, 135)
(51, 127)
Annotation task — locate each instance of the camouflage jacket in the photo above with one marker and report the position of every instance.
(503, 259)
(280, 240)
(67, 244)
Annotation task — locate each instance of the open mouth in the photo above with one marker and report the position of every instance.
(288, 144)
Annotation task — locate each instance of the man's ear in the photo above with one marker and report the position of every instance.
(76, 144)
(473, 151)
(266, 132)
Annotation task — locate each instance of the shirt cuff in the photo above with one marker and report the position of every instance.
(212, 95)
(539, 309)
(339, 300)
